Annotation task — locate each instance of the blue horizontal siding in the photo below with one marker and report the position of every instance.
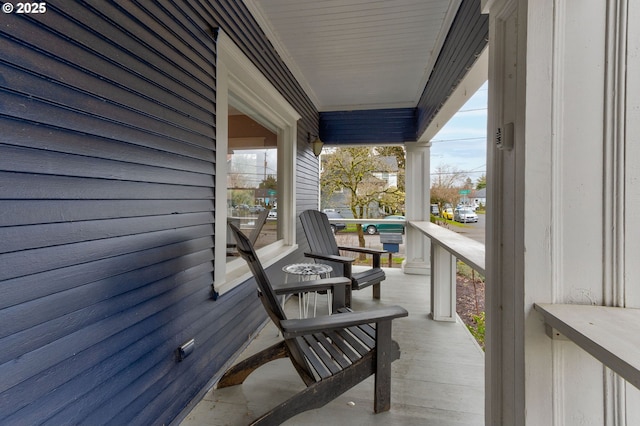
(368, 126)
(107, 182)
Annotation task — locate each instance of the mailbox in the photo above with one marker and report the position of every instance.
(391, 242)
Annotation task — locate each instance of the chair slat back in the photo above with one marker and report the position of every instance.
(259, 223)
(267, 295)
(318, 232)
(317, 229)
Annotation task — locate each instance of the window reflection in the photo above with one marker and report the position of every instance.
(252, 177)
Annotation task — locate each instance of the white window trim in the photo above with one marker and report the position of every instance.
(236, 73)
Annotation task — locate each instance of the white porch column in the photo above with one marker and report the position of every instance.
(565, 74)
(418, 200)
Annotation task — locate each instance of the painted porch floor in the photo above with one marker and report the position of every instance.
(439, 379)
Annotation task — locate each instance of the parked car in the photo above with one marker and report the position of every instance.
(371, 228)
(465, 215)
(448, 213)
(273, 214)
(466, 206)
(335, 226)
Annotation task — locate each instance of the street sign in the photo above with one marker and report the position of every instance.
(464, 192)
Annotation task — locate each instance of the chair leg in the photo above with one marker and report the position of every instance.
(338, 297)
(239, 372)
(376, 291)
(382, 381)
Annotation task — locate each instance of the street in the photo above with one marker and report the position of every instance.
(474, 231)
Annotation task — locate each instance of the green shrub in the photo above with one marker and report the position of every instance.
(478, 329)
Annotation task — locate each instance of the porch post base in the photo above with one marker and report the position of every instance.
(416, 267)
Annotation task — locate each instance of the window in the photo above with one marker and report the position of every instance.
(245, 95)
(252, 176)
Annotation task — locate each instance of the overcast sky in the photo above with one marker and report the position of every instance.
(462, 142)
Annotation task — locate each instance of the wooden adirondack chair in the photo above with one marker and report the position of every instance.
(331, 353)
(323, 246)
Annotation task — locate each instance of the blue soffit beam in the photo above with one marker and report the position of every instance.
(395, 125)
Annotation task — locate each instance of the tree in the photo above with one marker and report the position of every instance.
(446, 184)
(241, 196)
(468, 183)
(269, 183)
(392, 202)
(481, 182)
(237, 180)
(399, 153)
(352, 171)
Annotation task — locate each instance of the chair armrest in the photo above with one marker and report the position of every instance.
(300, 327)
(313, 285)
(331, 257)
(363, 250)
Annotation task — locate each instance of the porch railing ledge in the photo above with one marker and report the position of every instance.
(446, 247)
(609, 334)
(469, 251)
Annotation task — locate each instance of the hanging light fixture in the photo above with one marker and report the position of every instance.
(316, 144)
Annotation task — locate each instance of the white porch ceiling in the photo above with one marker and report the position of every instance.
(358, 54)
